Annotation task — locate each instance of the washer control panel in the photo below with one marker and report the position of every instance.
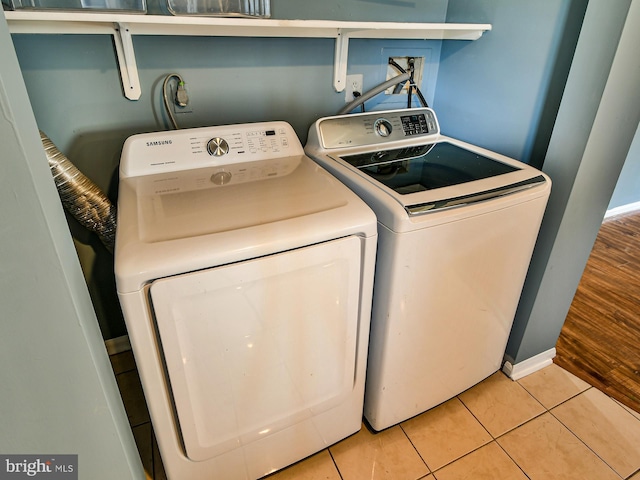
(375, 128)
(223, 146)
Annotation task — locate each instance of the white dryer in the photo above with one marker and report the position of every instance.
(245, 274)
(456, 229)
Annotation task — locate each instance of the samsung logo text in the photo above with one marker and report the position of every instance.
(158, 143)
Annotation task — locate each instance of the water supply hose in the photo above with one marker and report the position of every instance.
(373, 92)
(80, 196)
(424, 103)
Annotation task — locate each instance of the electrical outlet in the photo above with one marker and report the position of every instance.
(418, 71)
(354, 84)
(177, 109)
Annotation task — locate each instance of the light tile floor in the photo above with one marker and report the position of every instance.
(548, 425)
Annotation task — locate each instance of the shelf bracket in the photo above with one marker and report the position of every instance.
(126, 61)
(120, 26)
(340, 60)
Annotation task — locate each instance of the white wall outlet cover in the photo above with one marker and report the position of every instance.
(354, 84)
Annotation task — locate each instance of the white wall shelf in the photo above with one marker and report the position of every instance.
(123, 26)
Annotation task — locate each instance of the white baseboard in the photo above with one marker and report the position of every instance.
(631, 207)
(530, 365)
(117, 345)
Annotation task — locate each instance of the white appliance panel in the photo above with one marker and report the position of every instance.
(265, 227)
(254, 347)
(457, 225)
(437, 331)
(188, 204)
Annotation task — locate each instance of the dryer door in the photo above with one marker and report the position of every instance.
(254, 347)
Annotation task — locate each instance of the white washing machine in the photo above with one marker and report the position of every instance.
(245, 274)
(456, 229)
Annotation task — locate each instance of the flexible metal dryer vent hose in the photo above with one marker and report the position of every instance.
(80, 196)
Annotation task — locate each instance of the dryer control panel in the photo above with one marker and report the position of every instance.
(227, 145)
(375, 128)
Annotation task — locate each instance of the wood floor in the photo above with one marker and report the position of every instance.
(600, 340)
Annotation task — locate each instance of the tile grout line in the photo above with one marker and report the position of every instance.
(549, 410)
(494, 439)
(414, 447)
(564, 401)
(580, 439)
(335, 464)
(513, 459)
(511, 429)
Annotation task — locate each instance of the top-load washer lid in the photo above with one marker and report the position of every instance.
(192, 199)
(398, 162)
(426, 167)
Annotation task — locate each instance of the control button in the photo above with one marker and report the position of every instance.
(217, 147)
(221, 178)
(383, 127)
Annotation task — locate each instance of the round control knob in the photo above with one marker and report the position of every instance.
(221, 178)
(383, 127)
(217, 147)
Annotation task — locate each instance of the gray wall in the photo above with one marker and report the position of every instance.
(493, 92)
(627, 190)
(57, 390)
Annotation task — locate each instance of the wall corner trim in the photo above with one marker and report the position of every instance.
(631, 207)
(530, 365)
